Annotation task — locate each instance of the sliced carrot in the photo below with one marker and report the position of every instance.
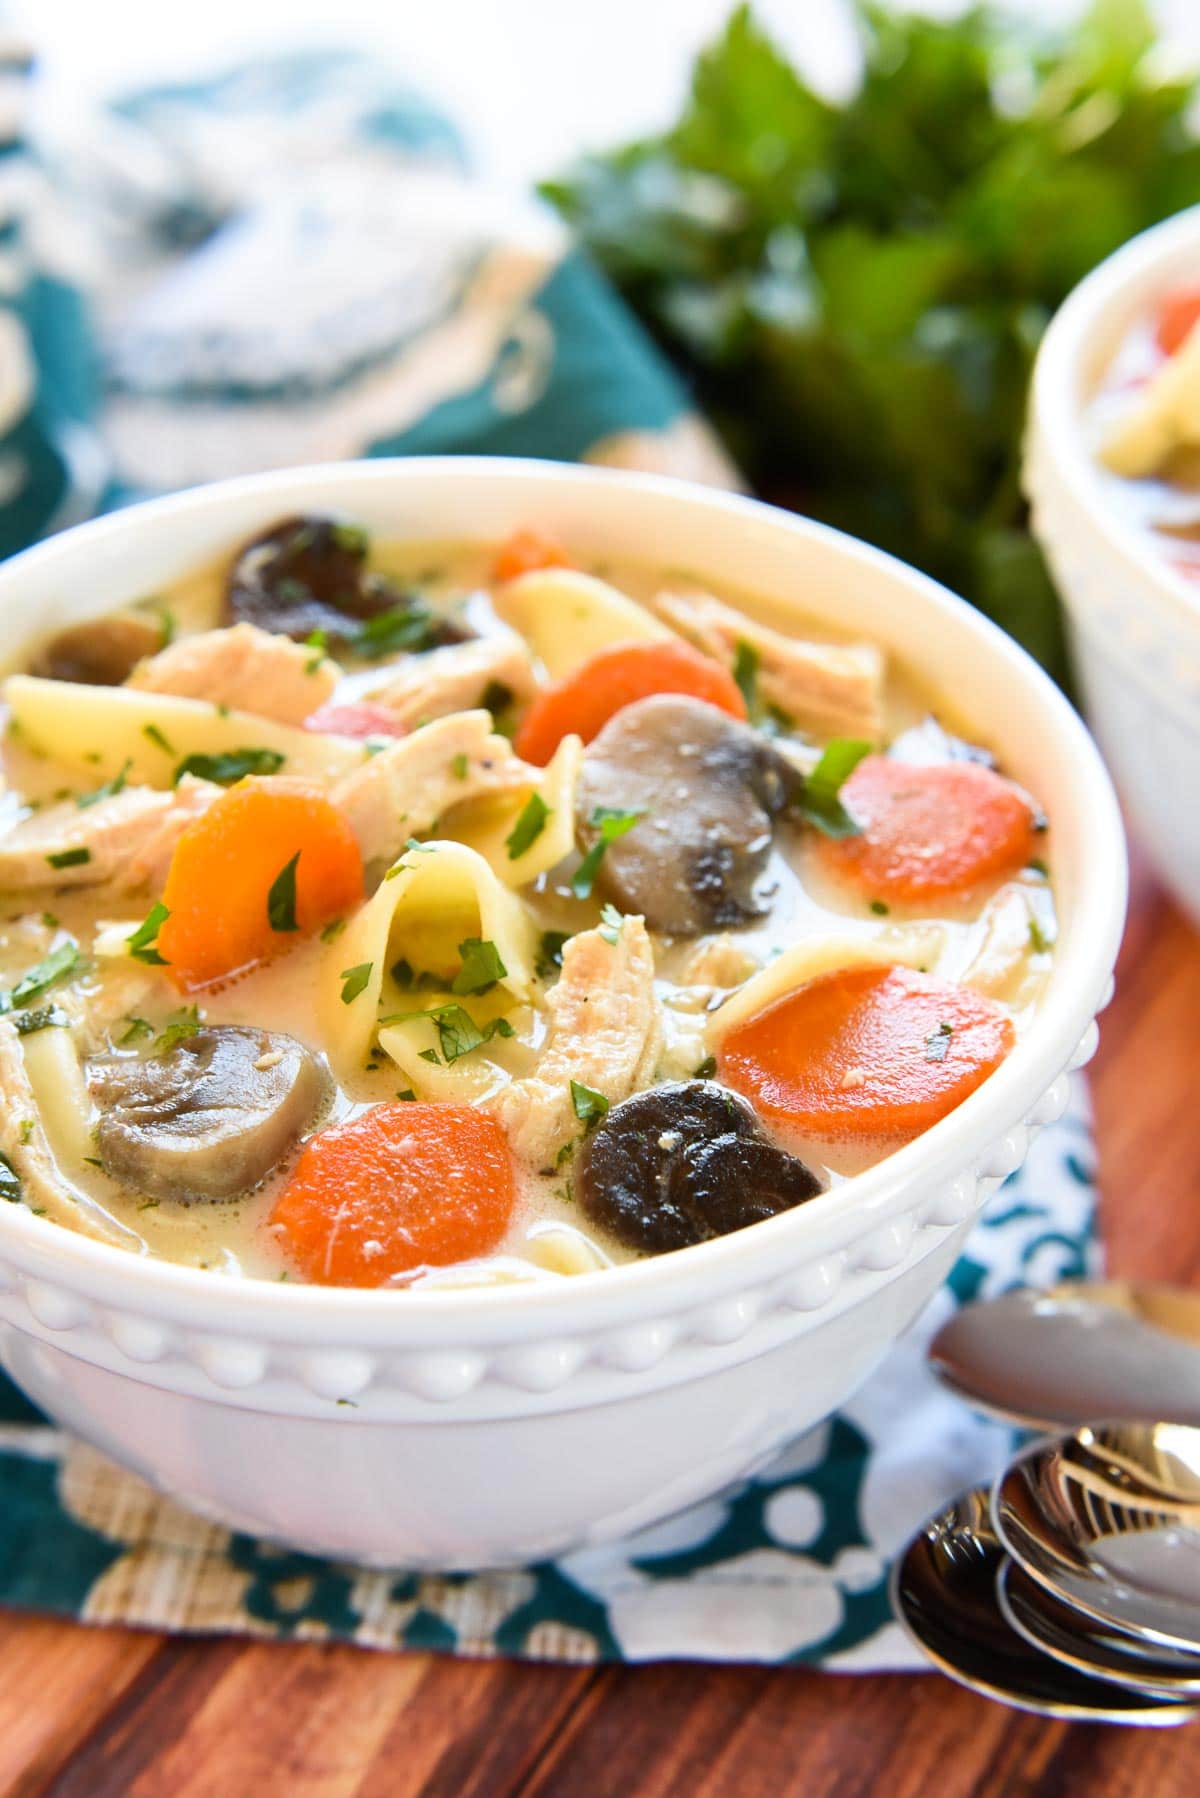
(358, 718)
(227, 865)
(928, 833)
(585, 700)
(526, 550)
(401, 1187)
(866, 1054)
(1178, 312)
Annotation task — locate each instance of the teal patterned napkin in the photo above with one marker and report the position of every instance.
(291, 264)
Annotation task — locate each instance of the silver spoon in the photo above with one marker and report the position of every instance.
(1107, 1518)
(1080, 1642)
(1050, 1359)
(943, 1591)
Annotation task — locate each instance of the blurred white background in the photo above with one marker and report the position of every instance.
(529, 82)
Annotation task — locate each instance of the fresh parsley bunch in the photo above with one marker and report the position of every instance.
(856, 291)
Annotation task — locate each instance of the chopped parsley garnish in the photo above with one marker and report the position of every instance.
(404, 627)
(745, 673)
(481, 967)
(139, 1030)
(70, 858)
(142, 941)
(707, 1068)
(157, 738)
(937, 1043)
(589, 1105)
(281, 899)
(550, 951)
(460, 766)
(355, 981)
(611, 824)
(41, 977)
(611, 921)
(10, 1181)
(1038, 866)
(458, 1033)
(528, 827)
(879, 908)
(108, 791)
(820, 804)
(334, 928)
(29, 1021)
(179, 1026)
(25, 1131)
(1039, 940)
(350, 537)
(408, 1093)
(406, 977)
(229, 765)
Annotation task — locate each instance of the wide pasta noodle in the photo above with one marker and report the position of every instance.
(566, 617)
(104, 730)
(434, 898)
(487, 827)
(910, 946)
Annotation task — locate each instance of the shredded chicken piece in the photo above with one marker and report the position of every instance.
(24, 1146)
(828, 689)
(245, 668)
(456, 677)
(148, 867)
(605, 1033)
(403, 790)
(719, 961)
(1164, 417)
(124, 841)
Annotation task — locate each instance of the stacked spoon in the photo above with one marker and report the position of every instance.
(1072, 1588)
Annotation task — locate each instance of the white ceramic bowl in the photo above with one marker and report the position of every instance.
(1134, 621)
(462, 1429)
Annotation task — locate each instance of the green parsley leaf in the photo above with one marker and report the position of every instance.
(550, 952)
(408, 1093)
(879, 908)
(460, 766)
(10, 1181)
(611, 824)
(229, 765)
(820, 804)
(42, 976)
(70, 858)
(409, 626)
(334, 928)
(355, 981)
(108, 791)
(350, 537)
(179, 1026)
(611, 921)
(157, 738)
(496, 697)
(281, 899)
(528, 827)
(1039, 940)
(458, 1033)
(707, 1068)
(937, 1043)
(589, 1105)
(138, 1031)
(142, 941)
(29, 1021)
(1038, 866)
(481, 967)
(745, 673)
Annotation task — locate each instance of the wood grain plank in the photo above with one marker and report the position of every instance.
(59, 1678)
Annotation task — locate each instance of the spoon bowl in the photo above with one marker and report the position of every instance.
(1090, 1647)
(943, 1591)
(1048, 1360)
(1107, 1519)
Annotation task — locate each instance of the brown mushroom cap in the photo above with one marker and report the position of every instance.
(709, 789)
(102, 652)
(209, 1119)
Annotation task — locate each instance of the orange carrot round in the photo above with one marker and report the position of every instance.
(231, 902)
(1178, 312)
(402, 1187)
(928, 833)
(526, 551)
(584, 701)
(867, 1055)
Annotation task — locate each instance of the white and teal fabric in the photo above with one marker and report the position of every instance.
(288, 264)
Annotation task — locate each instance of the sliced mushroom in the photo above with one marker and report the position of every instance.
(211, 1117)
(103, 652)
(310, 574)
(708, 790)
(682, 1163)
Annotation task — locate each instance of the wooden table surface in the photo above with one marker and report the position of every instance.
(86, 1713)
